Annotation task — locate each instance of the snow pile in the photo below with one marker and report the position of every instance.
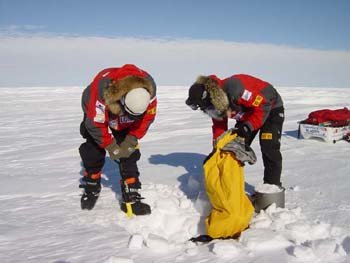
(173, 221)
(277, 228)
(326, 249)
(135, 242)
(118, 260)
(228, 249)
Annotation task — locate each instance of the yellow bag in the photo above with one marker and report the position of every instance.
(224, 182)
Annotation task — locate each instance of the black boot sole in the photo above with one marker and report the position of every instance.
(137, 208)
(87, 202)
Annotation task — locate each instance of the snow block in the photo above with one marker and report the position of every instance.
(158, 244)
(263, 240)
(118, 260)
(227, 249)
(135, 242)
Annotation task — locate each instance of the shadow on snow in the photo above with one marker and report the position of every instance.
(193, 164)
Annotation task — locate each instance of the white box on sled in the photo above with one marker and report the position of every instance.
(326, 133)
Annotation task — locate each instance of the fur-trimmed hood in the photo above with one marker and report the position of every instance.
(116, 89)
(217, 95)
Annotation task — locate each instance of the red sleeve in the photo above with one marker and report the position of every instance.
(96, 121)
(139, 128)
(259, 109)
(253, 99)
(219, 127)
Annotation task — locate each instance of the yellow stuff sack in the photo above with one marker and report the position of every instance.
(224, 182)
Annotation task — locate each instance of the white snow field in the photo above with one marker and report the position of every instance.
(41, 219)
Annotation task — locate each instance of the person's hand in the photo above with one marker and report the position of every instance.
(113, 150)
(128, 146)
(124, 149)
(243, 130)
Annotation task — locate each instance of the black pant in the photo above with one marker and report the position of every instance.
(270, 144)
(93, 156)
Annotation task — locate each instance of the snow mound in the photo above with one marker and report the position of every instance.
(173, 221)
(228, 249)
(135, 242)
(263, 239)
(277, 228)
(326, 249)
(159, 244)
(118, 260)
(304, 253)
(175, 218)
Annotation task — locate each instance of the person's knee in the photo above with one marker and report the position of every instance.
(134, 157)
(93, 157)
(88, 149)
(128, 166)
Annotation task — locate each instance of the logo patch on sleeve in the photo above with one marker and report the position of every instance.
(266, 136)
(246, 95)
(151, 111)
(100, 112)
(257, 100)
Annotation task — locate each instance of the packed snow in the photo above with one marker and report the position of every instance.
(268, 188)
(41, 219)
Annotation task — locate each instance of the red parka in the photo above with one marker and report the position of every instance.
(250, 99)
(99, 117)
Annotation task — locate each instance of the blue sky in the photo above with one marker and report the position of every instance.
(320, 26)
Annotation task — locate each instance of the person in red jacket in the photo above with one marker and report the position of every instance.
(119, 106)
(256, 106)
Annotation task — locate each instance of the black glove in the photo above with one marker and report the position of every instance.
(243, 130)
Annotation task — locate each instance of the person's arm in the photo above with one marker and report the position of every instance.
(219, 127)
(96, 121)
(258, 110)
(139, 128)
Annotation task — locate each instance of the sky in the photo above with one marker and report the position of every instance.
(303, 43)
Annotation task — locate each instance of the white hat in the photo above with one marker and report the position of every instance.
(136, 101)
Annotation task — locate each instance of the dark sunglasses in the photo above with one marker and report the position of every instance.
(195, 106)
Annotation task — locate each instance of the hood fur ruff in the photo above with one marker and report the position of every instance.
(117, 89)
(217, 96)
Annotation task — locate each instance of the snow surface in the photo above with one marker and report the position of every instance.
(268, 189)
(41, 219)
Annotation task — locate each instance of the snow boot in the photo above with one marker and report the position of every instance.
(92, 188)
(131, 199)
